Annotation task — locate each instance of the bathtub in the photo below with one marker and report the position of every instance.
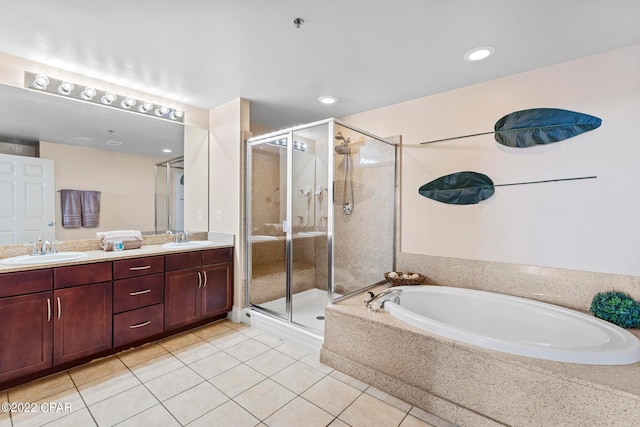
(514, 325)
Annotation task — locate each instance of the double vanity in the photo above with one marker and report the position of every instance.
(59, 311)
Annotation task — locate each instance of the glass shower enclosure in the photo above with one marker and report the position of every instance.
(320, 206)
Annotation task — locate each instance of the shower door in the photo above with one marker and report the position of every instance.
(287, 221)
(267, 224)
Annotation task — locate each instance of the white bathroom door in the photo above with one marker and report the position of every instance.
(27, 199)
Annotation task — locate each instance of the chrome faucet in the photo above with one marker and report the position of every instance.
(42, 248)
(376, 302)
(182, 237)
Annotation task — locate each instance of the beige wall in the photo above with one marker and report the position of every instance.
(196, 177)
(228, 125)
(126, 182)
(589, 225)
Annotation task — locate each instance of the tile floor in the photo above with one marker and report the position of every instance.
(222, 374)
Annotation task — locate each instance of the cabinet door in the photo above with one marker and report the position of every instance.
(82, 321)
(182, 297)
(217, 289)
(25, 335)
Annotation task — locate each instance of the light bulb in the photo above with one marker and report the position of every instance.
(176, 114)
(88, 93)
(65, 88)
(145, 107)
(41, 82)
(161, 111)
(128, 103)
(108, 98)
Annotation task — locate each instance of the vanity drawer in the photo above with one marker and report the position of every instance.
(137, 267)
(183, 261)
(25, 282)
(84, 274)
(137, 292)
(217, 256)
(137, 324)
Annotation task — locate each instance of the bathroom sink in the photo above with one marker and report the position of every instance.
(192, 244)
(44, 259)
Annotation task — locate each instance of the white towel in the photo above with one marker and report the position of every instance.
(131, 239)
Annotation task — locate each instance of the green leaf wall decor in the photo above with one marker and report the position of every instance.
(469, 188)
(537, 126)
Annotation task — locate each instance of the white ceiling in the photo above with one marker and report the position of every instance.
(368, 53)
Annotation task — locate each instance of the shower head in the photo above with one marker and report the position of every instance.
(343, 148)
(339, 136)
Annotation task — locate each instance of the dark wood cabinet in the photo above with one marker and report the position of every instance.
(82, 321)
(138, 295)
(182, 297)
(26, 334)
(217, 292)
(200, 286)
(82, 310)
(136, 325)
(54, 318)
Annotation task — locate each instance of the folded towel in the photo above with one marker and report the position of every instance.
(122, 234)
(131, 239)
(71, 202)
(107, 245)
(90, 208)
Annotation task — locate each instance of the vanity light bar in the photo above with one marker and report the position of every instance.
(90, 94)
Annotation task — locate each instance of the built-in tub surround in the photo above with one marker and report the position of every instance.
(566, 288)
(470, 385)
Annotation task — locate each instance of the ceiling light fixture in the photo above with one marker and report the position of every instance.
(59, 87)
(328, 100)
(166, 150)
(479, 53)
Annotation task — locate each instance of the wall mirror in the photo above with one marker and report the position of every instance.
(87, 146)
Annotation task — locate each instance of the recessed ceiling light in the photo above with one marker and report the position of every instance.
(166, 150)
(328, 99)
(479, 53)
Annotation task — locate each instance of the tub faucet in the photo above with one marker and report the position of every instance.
(376, 302)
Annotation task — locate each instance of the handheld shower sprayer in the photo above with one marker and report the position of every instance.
(343, 148)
